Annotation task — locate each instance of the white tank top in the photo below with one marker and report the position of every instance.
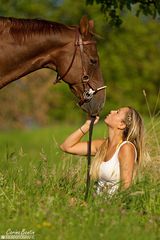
(109, 172)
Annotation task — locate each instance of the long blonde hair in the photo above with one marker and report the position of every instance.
(133, 132)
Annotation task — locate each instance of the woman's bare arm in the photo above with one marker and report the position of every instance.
(73, 143)
(127, 162)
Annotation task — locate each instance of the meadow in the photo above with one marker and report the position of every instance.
(42, 190)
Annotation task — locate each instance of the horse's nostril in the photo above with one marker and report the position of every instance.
(85, 78)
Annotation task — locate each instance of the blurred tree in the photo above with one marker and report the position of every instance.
(114, 9)
(130, 63)
(30, 8)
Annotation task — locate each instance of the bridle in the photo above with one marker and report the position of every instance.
(88, 92)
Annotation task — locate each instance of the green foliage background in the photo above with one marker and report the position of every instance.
(41, 188)
(129, 57)
(113, 8)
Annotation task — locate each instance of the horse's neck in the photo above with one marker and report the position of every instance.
(18, 57)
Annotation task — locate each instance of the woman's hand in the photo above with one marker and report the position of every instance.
(86, 125)
(88, 121)
(74, 145)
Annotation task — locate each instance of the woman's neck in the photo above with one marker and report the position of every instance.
(115, 137)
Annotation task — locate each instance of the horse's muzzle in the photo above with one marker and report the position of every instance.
(95, 105)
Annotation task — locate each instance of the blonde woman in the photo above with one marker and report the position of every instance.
(117, 157)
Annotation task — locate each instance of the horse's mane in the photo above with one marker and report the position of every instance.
(23, 28)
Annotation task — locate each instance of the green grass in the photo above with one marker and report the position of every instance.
(42, 189)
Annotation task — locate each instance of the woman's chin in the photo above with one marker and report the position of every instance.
(106, 121)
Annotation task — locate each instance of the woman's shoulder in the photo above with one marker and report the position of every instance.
(127, 148)
(127, 145)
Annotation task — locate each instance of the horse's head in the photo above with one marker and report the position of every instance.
(79, 67)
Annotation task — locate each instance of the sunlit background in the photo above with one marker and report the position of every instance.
(42, 188)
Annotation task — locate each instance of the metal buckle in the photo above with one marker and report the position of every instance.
(88, 94)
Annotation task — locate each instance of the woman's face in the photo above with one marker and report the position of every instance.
(115, 119)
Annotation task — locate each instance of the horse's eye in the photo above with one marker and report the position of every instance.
(93, 61)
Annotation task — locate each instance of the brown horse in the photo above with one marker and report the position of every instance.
(27, 45)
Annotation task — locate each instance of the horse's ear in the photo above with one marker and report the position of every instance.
(91, 24)
(84, 25)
